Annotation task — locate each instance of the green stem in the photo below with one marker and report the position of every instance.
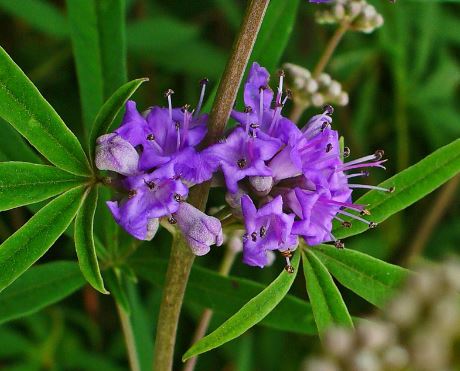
(129, 339)
(181, 259)
(206, 316)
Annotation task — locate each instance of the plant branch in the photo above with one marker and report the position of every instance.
(181, 259)
(129, 339)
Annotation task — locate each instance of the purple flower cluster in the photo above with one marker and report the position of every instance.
(282, 181)
(286, 182)
(155, 157)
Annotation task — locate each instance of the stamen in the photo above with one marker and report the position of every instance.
(254, 236)
(151, 138)
(280, 87)
(339, 244)
(362, 173)
(262, 232)
(328, 109)
(369, 224)
(241, 163)
(376, 188)
(261, 102)
(203, 83)
(329, 147)
(247, 111)
(346, 167)
(346, 205)
(132, 193)
(172, 220)
(187, 117)
(288, 93)
(177, 126)
(177, 197)
(346, 152)
(150, 184)
(168, 94)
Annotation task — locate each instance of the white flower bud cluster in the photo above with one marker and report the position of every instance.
(309, 91)
(362, 16)
(419, 330)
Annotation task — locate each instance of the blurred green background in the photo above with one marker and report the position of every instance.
(403, 82)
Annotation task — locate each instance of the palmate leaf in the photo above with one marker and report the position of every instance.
(327, 304)
(226, 295)
(84, 241)
(371, 278)
(110, 110)
(34, 238)
(97, 29)
(410, 185)
(22, 183)
(40, 286)
(22, 105)
(249, 315)
(13, 147)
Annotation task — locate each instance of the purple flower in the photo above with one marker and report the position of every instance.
(116, 154)
(148, 198)
(266, 229)
(200, 230)
(242, 155)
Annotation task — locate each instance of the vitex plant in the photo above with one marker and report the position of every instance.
(289, 185)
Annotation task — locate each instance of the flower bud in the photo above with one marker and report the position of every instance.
(116, 154)
(200, 230)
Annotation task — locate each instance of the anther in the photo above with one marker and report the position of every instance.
(286, 253)
(150, 137)
(262, 232)
(241, 163)
(346, 152)
(177, 125)
(365, 212)
(254, 236)
(222, 140)
(328, 147)
(328, 109)
(254, 126)
(107, 180)
(172, 220)
(365, 173)
(247, 109)
(379, 154)
(168, 93)
(262, 88)
(281, 73)
(177, 197)
(132, 193)
(339, 244)
(324, 125)
(150, 184)
(204, 81)
(289, 268)
(185, 108)
(372, 225)
(391, 189)
(288, 93)
(346, 224)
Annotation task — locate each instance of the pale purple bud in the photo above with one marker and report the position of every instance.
(200, 230)
(116, 154)
(152, 228)
(261, 184)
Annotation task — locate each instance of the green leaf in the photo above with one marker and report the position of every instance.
(84, 241)
(370, 278)
(22, 183)
(97, 29)
(40, 286)
(410, 185)
(110, 110)
(22, 105)
(41, 15)
(226, 295)
(34, 238)
(248, 316)
(14, 148)
(328, 306)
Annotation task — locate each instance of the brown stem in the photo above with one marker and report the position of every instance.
(181, 259)
(442, 202)
(206, 316)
